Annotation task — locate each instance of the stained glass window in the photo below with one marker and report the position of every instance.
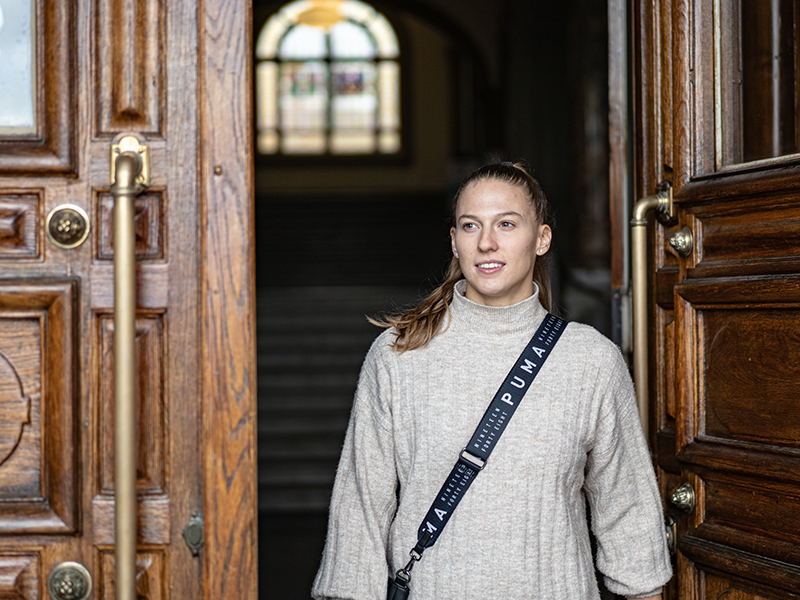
(328, 80)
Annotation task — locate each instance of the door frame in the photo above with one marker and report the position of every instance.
(228, 305)
(619, 169)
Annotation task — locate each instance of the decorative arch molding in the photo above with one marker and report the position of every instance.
(476, 77)
(50, 148)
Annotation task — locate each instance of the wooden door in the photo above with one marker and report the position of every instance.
(716, 88)
(176, 74)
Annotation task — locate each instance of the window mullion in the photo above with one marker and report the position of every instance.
(329, 79)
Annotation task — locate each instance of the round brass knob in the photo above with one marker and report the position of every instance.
(682, 242)
(683, 497)
(69, 581)
(67, 225)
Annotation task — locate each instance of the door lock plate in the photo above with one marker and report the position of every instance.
(67, 225)
(193, 533)
(672, 534)
(69, 581)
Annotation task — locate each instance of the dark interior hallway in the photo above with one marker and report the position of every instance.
(349, 258)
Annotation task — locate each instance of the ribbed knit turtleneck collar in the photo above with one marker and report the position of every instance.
(522, 317)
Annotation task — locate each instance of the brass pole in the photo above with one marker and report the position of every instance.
(639, 284)
(127, 167)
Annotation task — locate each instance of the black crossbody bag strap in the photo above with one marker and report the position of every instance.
(474, 456)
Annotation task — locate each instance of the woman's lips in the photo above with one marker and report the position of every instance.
(489, 267)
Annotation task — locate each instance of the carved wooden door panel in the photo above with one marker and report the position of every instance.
(92, 70)
(716, 103)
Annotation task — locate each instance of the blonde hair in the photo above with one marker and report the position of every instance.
(417, 326)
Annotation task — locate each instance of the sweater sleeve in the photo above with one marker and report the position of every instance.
(626, 513)
(354, 564)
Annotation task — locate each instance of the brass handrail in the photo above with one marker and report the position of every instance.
(127, 167)
(662, 202)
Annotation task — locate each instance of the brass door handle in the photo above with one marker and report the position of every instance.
(127, 166)
(662, 203)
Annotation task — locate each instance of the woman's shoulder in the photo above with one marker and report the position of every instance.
(587, 334)
(586, 342)
(590, 355)
(382, 346)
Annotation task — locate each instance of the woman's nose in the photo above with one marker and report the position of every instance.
(487, 241)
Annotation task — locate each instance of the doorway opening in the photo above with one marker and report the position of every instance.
(343, 237)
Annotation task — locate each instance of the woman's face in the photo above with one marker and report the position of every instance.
(496, 239)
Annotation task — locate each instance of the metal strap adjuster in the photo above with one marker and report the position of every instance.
(471, 459)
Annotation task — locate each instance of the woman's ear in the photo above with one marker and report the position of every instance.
(453, 241)
(544, 240)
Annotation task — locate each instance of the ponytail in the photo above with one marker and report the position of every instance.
(541, 277)
(417, 326)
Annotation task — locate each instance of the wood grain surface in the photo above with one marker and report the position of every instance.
(229, 418)
(725, 347)
(52, 149)
(104, 69)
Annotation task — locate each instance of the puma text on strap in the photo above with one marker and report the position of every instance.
(474, 456)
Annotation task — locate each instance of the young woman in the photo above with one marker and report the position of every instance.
(521, 529)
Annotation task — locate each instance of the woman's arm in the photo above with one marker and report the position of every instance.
(363, 501)
(621, 489)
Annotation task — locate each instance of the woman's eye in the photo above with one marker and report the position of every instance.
(506, 224)
(468, 226)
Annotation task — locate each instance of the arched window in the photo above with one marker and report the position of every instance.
(328, 80)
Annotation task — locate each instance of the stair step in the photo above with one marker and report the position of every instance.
(314, 448)
(301, 427)
(311, 401)
(294, 500)
(288, 474)
(311, 345)
(308, 360)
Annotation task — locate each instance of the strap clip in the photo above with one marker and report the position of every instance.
(404, 574)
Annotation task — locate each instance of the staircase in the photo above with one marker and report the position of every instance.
(311, 344)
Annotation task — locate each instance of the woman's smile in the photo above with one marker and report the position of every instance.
(490, 267)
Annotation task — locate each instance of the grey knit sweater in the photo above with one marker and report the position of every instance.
(521, 530)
